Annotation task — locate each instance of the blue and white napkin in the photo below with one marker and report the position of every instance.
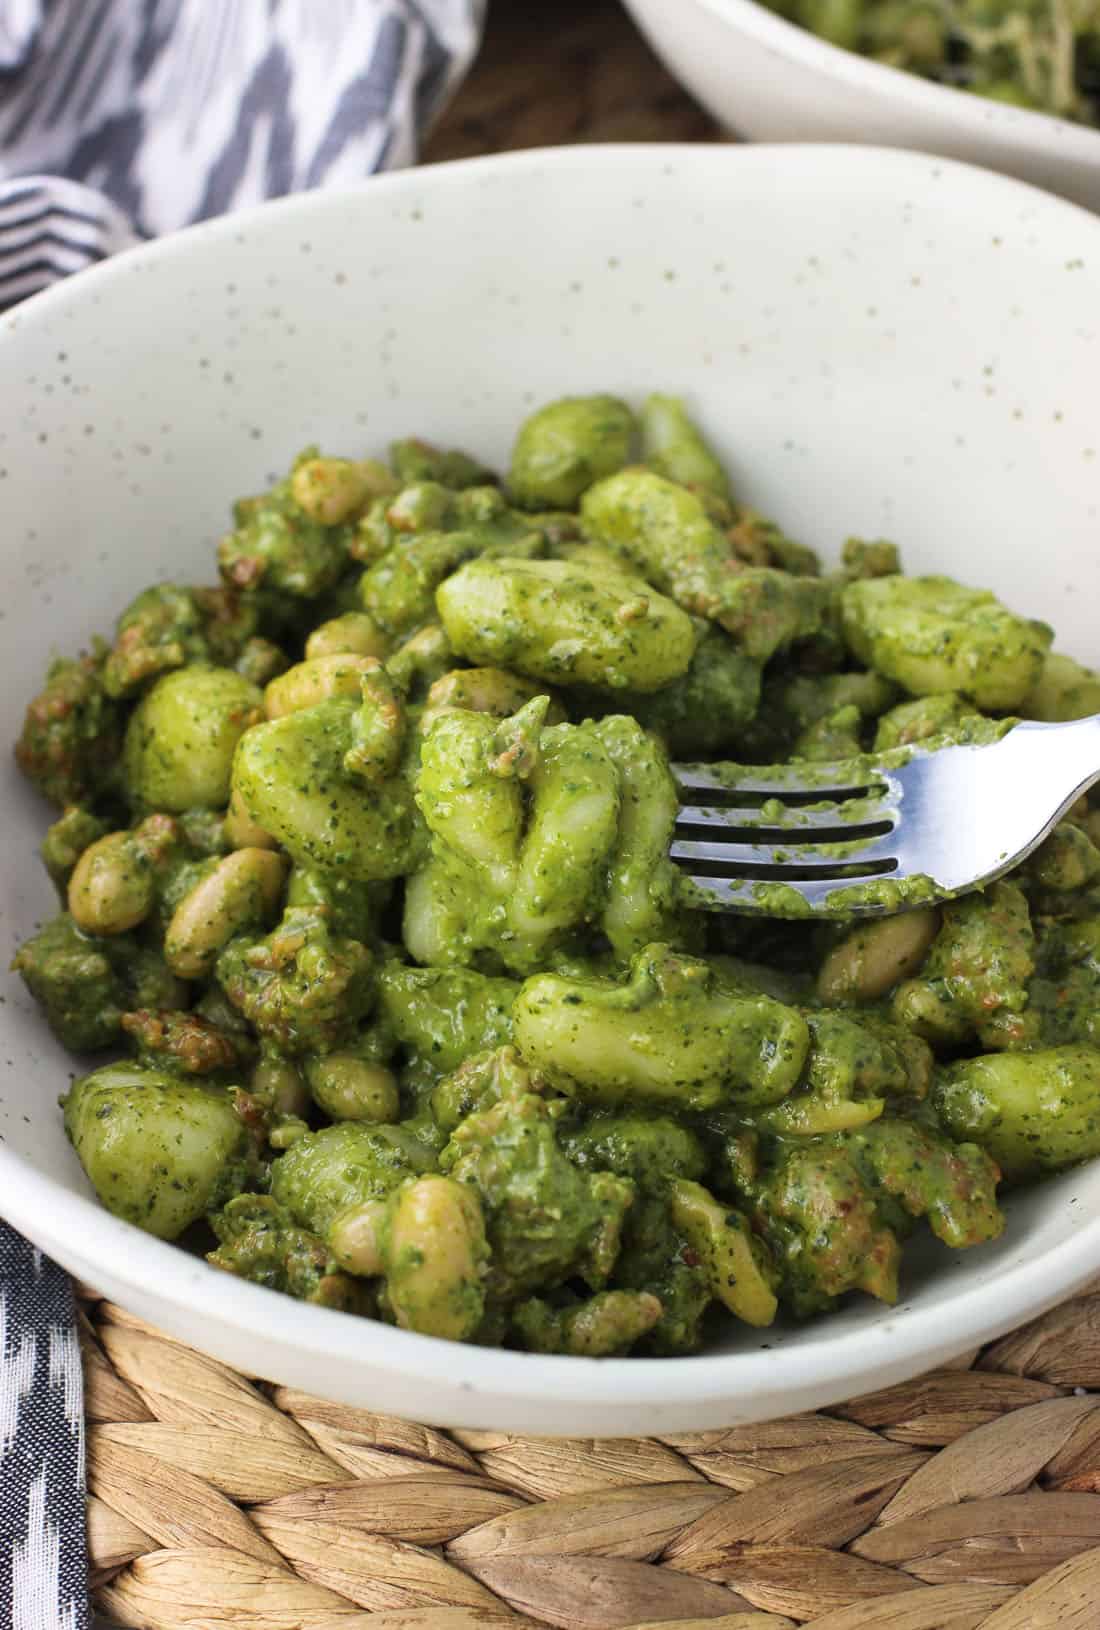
(42, 1553)
(119, 120)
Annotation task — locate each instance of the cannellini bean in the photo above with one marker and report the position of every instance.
(243, 888)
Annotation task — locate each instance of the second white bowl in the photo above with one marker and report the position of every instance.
(771, 81)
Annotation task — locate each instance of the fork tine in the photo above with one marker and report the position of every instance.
(844, 779)
(738, 894)
(792, 859)
(851, 818)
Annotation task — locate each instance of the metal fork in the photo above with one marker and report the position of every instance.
(874, 835)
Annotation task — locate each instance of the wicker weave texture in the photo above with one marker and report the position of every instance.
(966, 1500)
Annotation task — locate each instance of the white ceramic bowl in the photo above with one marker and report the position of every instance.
(771, 81)
(878, 342)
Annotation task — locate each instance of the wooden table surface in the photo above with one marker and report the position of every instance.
(554, 71)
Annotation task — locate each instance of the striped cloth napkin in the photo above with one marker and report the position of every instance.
(121, 119)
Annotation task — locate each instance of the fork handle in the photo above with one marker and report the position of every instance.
(1066, 755)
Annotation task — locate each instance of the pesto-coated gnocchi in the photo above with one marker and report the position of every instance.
(363, 854)
(932, 635)
(567, 623)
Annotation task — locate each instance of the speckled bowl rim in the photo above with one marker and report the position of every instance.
(832, 1366)
(1076, 142)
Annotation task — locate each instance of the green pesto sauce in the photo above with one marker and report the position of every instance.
(617, 1117)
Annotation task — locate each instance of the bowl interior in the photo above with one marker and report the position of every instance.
(879, 343)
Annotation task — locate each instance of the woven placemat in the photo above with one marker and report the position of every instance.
(969, 1498)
